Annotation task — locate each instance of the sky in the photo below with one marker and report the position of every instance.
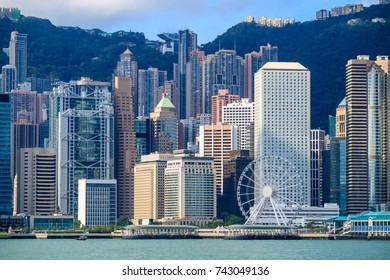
(208, 18)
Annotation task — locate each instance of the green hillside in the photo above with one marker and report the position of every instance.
(322, 46)
(69, 53)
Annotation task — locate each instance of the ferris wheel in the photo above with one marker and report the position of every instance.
(270, 191)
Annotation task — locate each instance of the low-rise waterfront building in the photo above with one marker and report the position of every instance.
(97, 201)
(372, 223)
(50, 223)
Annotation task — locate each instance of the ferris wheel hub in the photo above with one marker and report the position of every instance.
(267, 191)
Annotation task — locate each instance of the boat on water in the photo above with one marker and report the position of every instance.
(81, 237)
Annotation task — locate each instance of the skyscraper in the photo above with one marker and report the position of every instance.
(189, 131)
(223, 98)
(190, 189)
(377, 96)
(188, 41)
(223, 70)
(241, 114)
(341, 118)
(194, 84)
(125, 152)
(18, 55)
(367, 133)
(164, 127)
(23, 135)
(338, 173)
(317, 146)
(149, 81)
(8, 81)
(253, 62)
(149, 186)
(233, 167)
(24, 105)
(85, 138)
(170, 90)
(5, 156)
(143, 136)
(217, 141)
(338, 161)
(282, 118)
(128, 67)
(37, 181)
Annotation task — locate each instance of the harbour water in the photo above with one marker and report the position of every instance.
(204, 249)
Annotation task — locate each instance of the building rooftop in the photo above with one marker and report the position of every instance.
(127, 52)
(165, 103)
(376, 216)
(283, 66)
(343, 103)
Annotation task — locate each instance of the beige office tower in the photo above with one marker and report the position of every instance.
(217, 141)
(36, 181)
(149, 187)
(164, 127)
(341, 118)
(125, 151)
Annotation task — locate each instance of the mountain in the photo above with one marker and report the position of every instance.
(322, 46)
(70, 52)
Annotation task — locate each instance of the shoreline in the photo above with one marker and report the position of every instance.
(196, 236)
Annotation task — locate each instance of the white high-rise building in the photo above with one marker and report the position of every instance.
(282, 118)
(241, 114)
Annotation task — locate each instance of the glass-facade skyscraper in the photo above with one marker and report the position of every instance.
(148, 82)
(85, 137)
(338, 173)
(143, 137)
(376, 143)
(5, 156)
(188, 41)
(18, 55)
(223, 70)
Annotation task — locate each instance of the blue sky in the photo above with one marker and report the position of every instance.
(208, 18)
